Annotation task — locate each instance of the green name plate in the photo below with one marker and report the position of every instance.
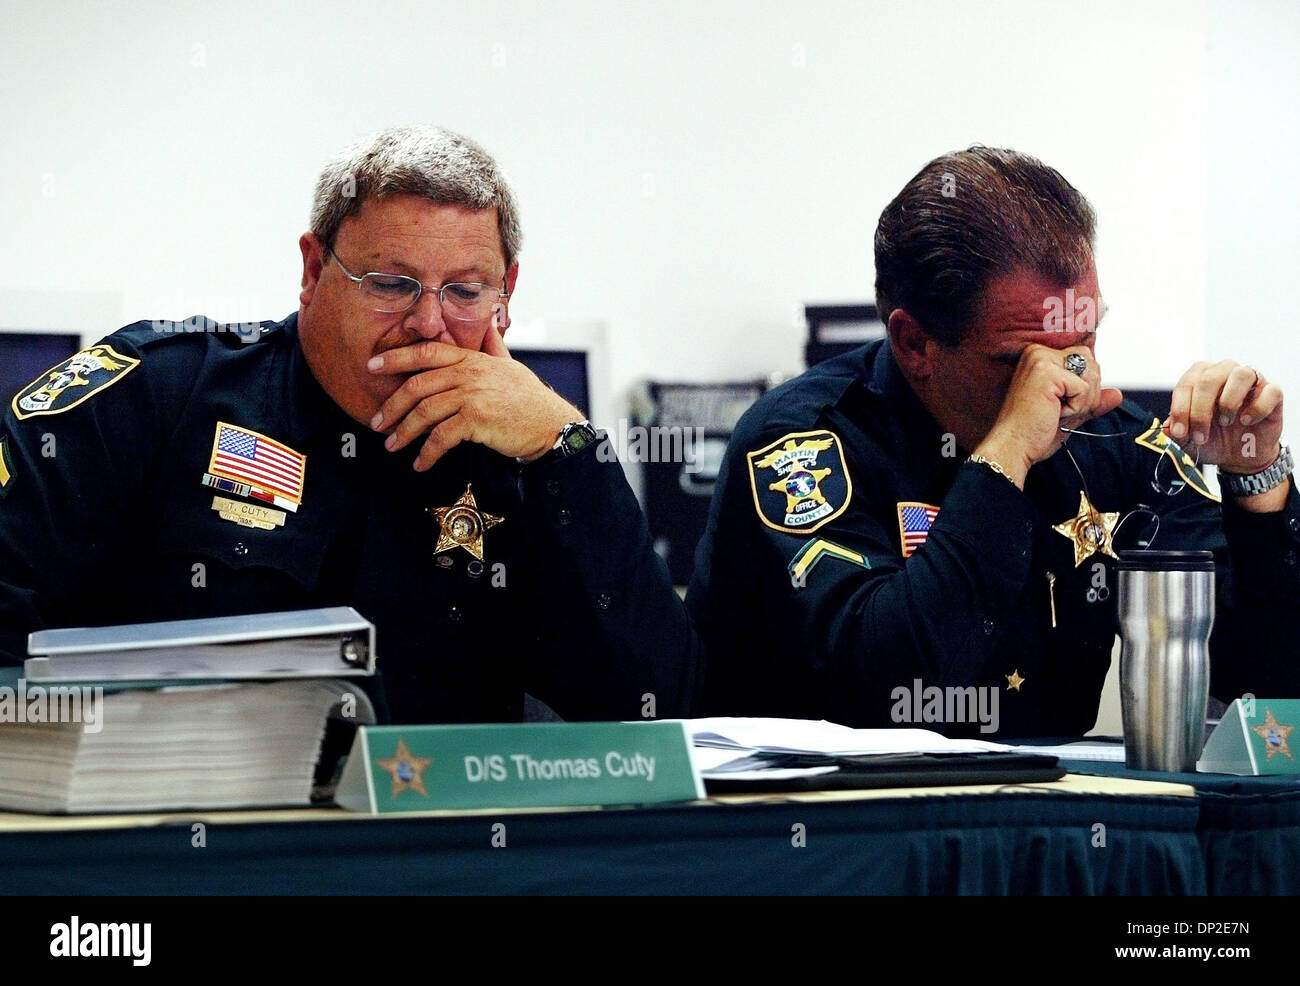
(422, 768)
(1254, 737)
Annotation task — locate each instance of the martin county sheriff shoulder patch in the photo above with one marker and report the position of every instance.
(800, 481)
(74, 380)
(1157, 441)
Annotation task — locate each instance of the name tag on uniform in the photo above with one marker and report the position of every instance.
(248, 514)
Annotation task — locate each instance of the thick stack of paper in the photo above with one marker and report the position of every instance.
(204, 746)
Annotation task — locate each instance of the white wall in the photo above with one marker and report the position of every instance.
(1253, 215)
(689, 172)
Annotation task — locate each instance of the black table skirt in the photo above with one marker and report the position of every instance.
(1249, 827)
(1002, 843)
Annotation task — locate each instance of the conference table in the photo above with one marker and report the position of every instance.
(1099, 830)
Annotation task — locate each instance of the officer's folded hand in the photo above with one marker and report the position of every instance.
(1229, 413)
(1043, 397)
(456, 395)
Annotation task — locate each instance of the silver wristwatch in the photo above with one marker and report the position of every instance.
(1262, 481)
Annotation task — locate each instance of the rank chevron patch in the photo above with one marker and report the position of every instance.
(814, 551)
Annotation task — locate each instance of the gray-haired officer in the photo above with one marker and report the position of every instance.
(901, 522)
(379, 448)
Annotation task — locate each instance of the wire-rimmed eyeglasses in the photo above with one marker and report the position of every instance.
(466, 301)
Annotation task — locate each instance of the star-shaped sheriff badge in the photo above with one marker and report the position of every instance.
(1274, 735)
(1090, 530)
(407, 769)
(462, 525)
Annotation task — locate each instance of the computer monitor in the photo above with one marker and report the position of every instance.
(24, 356)
(1154, 401)
(566, 370)
(837, 329)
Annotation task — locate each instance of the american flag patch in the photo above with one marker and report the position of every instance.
(914, 523)
(265, 465)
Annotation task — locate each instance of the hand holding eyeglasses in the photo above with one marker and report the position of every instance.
(1228, 412)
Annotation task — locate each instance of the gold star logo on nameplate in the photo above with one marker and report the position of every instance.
(462, 525)
(1090, 530)
(1014, 680)
(1274, 735)
(406, 769)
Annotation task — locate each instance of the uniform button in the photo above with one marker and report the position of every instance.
(1289, 558)
(240, 549)
(474, 568)
(454, 614)
(443, 561)
(552, 486)
(1029, 527)
(565, 518)
(603, 600)
(1024, 552)
(1294, 524)
(988, 628)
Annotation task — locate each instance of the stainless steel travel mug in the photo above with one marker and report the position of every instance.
(1166, 610)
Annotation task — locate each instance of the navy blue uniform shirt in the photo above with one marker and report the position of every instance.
(819, 590)
(105, 519)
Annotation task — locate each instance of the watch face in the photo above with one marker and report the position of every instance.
(578, 437)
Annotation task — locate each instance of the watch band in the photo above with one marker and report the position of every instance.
(1266, 479)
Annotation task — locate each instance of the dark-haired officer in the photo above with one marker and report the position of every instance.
(379, 449)
(901, 523)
